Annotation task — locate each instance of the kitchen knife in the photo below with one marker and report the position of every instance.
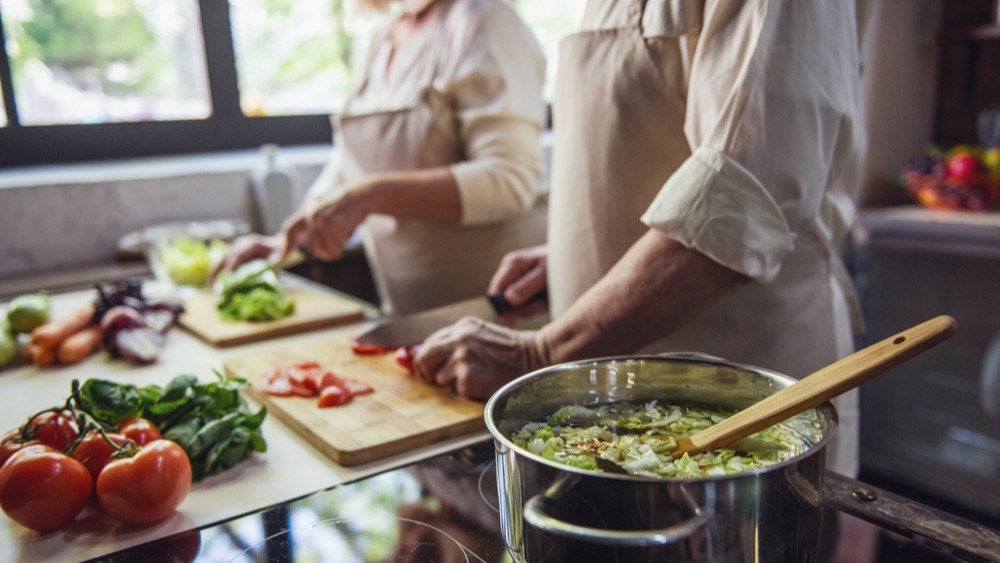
(407, 330)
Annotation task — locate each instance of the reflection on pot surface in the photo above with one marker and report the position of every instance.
(553, 512)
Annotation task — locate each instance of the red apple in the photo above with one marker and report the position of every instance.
(964, 166)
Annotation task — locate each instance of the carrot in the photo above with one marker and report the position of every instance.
(50, 334)
(78, 346)
(41, 356)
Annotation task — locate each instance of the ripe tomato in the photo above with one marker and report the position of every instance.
(332, 396)
(11, 443)
(367, 349)
(42, 489)
(94, 451)
(148, 487)
(53, 429)
(139, 430)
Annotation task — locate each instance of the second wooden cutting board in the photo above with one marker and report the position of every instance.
(402, 414)
(313, 310)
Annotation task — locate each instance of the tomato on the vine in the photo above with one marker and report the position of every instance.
(139, 430)
(42, 489)
(54, 429)
(148, 487)
(94, 451)
(11, 443)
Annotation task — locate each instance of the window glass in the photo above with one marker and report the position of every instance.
(100, 61)
(295, 57)
(551, 21)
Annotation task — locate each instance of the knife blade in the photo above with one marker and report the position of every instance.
(407, 330)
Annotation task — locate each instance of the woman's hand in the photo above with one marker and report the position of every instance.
(521, 277)
(478, 357)
(246, 248)
(332, 221)
(293, 234)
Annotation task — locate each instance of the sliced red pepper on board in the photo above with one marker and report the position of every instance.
(276, 383)
(405, 356)
(368, 349)
(303, 380)
(353, 386)
(333, 396)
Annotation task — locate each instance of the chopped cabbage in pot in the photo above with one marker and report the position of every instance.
(638, 437)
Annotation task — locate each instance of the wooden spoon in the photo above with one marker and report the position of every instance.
(823, 385)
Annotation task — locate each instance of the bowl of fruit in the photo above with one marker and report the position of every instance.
(962, 178)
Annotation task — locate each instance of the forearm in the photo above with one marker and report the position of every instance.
(657, 287)
(430, 194)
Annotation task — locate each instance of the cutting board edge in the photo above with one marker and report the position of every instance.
(228, 341)
(356, 456)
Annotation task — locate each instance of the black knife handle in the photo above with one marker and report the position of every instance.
(501, 305)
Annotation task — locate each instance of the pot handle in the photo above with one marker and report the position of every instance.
(535, 513)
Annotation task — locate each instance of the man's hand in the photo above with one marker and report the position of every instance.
(522, 277)
(478, 357)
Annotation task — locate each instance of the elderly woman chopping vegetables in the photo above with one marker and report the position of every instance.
(705, 161)
(437, 155)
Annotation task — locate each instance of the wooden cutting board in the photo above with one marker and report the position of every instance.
(402, 414)
(313, 309)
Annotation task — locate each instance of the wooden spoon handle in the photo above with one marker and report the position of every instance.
(823, 385)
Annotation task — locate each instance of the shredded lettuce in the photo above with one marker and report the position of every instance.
(252, 293)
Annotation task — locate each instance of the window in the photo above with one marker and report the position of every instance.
(86, 61)
(107, 79)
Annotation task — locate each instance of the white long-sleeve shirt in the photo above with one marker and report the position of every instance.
(491, 68)
(764, 110)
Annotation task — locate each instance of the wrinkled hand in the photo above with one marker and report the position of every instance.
(246, 248)
(521, 276)
(332, 221)
(274, 248)
(478, 357)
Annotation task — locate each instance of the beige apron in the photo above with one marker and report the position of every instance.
(618, 122)
(423, 264)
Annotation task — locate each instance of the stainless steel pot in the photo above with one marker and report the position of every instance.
(554, 512)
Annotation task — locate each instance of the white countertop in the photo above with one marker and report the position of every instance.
(291, 467)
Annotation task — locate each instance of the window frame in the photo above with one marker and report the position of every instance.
(225, 129)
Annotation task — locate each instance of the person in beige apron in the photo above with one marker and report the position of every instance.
(702, 119)
(437, 156)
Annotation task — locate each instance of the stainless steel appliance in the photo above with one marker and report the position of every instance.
(933, 424)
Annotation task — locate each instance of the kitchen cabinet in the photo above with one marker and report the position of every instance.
(933, 423)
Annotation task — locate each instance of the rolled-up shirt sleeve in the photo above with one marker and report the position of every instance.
(496, 85)
(770, 95)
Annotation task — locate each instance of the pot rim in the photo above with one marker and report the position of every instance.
(825, 408)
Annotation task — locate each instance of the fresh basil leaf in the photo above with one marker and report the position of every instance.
(108, 401)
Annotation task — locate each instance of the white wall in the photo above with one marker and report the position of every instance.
(57, 218)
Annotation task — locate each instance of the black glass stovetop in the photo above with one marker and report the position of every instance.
(444, 510)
